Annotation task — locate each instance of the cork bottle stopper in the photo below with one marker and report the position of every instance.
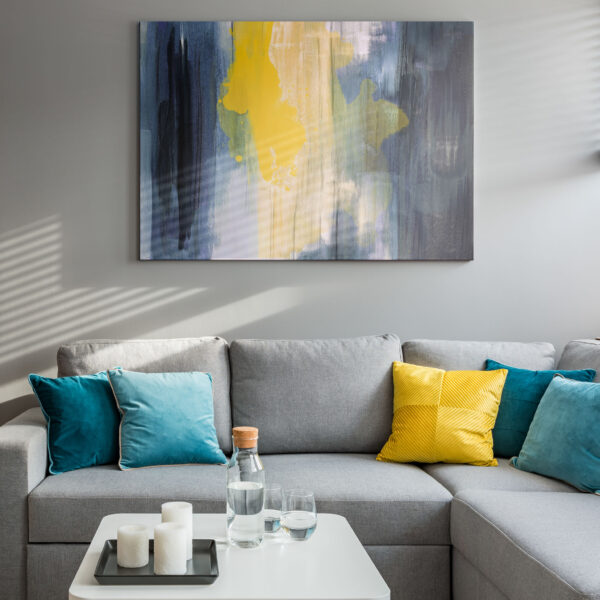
(245, 437)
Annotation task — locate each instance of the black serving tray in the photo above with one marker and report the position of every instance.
(202, 568)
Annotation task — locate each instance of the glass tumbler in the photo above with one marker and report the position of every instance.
(299, 517)
(273, 506)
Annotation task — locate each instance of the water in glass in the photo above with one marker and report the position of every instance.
(299, 517)
(245, 490)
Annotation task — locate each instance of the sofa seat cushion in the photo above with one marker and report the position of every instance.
(458, 478)
(386, 504)
(68, 507)
(454, 355)
(548, 542)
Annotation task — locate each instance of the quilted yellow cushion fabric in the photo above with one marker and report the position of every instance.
(443, 416)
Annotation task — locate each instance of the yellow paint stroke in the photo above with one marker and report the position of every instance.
(316, 153)
(306, 56)
(253, 88)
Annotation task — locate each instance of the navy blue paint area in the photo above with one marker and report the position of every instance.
(180, 74)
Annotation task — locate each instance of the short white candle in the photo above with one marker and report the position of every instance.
(132, 546)
(180, 512)
(170, 541)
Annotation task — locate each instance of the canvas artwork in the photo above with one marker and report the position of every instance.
(306, 140)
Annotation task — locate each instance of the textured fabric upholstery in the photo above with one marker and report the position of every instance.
(581, 354)
(315, 395)
(414, 572)
(69, 507)
(51, 569)
(386, 504)
(208, 354)
(468, 583)
(465, 356)
(457, 478)
(548, 542)
(23, 463)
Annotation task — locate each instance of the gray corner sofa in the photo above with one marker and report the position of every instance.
(324, 409)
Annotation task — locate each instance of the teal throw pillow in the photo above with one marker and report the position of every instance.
(83, 421)
(564, 438)
(166, 418)
(521, 395)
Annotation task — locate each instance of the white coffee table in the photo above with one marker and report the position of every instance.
(331, 565)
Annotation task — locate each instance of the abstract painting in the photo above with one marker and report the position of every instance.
(306, 140)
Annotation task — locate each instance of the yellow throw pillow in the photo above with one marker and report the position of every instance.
(443, 416)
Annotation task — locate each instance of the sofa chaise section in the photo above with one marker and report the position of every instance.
(523, 545)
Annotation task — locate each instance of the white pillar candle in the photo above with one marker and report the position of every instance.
(132, 546)
(170, 545)
(180, 512)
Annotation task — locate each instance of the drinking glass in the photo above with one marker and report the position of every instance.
(299, 518)
(272, 507)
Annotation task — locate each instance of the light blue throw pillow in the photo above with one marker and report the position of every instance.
(564, 438)
(83, 421)
(166, 418)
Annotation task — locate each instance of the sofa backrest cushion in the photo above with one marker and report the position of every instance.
(207, 354)
(454, 355)
(581, 354)
(332, 395)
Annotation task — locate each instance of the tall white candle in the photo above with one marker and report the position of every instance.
(170, 541)
(180, 512)
(132, 546)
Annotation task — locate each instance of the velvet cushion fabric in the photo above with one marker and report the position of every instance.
(83, 421)
(521, 395)
(167, 418)
(563, 440)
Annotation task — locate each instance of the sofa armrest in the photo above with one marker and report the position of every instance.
(23, 464)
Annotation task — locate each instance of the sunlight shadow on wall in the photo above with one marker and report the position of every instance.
(38, 313)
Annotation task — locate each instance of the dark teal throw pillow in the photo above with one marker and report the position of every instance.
(522, 393)
(166, 418)
(83, 421)
(564, 438)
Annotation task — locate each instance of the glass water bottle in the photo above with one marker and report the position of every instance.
(245, 490)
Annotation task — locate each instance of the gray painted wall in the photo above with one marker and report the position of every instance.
(68, 192)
